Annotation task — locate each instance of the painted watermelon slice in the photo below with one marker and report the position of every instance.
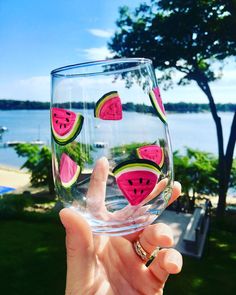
(66, 125)
(136, 179)
(156, 101)
(152, 152)
(69, 171)
(109, 107)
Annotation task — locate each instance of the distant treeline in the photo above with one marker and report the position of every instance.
(180, 107)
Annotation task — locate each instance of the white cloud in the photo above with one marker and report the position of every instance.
(101, 33)
(96, 53)
(33, 88)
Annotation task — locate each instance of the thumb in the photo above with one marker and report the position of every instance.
(80, 252)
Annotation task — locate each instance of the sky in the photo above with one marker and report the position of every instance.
(38, 36)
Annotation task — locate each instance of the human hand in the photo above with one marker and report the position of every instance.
(104, 265)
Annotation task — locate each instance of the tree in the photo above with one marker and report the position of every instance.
(192, 37)
(39, 163)
(196, 170)
(39, 160)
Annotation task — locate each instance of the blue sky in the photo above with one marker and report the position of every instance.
(38, 36)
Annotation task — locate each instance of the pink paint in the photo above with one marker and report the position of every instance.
(153, 153)
(137, 185)
(158, 98)
(111, 109)
(62, 120)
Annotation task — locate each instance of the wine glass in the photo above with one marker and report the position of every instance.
(113, 109)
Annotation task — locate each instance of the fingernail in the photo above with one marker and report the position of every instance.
(174, 263)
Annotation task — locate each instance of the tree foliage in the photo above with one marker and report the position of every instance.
(39, 163)
(193, 37)
(39, 160)
(197, 171)
(79, 152)
(183, 35)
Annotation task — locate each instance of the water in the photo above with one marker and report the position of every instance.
(196, 130)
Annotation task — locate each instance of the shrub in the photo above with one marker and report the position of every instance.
(13, 205)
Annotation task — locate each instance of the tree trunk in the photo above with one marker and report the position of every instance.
(224, 160)
(230, 149)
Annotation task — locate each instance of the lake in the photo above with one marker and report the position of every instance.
(195, 130)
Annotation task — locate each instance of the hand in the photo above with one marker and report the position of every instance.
(109, 265)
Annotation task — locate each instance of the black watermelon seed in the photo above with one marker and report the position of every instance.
(64, 125)
(67, 120)
(141, 191)
(60, 126)
(148, 181)
(135, 191)
(130, 182)
(57, 121)
(68, 113)
(140, 180)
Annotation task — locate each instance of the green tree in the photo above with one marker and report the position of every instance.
(199, 169)
(39, 160)
(39, 163)
(79, 152)
(192, 37)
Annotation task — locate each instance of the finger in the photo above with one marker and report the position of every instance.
(156, 235)
(167, 261)
(97, 188)
(159, 188)
(79, 248)
(175, 193)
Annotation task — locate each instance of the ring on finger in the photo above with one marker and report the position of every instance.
(142, 253)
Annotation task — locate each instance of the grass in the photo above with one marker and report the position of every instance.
(215, 272)
(32, 259)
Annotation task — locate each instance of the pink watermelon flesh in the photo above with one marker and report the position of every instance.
(111, 109)
(68, 170)
(158, 98)
(153, 153)
(137, 185)
(62, 120)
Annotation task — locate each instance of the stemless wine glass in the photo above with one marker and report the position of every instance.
(111, 109)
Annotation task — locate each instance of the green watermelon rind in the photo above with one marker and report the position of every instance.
(69, 137)
(102, 101)
(157, 108)
(136, 168)
(73, 180)
(134, 165)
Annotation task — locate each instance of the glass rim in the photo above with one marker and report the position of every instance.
(64, 71)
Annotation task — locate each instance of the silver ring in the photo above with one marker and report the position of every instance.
(141, 252)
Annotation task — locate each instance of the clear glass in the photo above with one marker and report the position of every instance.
(111, 109)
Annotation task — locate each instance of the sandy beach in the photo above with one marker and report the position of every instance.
(13, 177)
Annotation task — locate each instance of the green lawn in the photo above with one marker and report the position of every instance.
(32, 260)
(215, 273)
(32, 257)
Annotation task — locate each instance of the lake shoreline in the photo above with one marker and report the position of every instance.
(176, 108)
